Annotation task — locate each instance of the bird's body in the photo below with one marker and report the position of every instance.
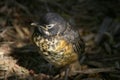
(60, 45)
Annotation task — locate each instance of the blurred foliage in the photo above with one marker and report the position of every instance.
(97, 20)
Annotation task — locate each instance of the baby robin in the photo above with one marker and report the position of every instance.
(58, 42)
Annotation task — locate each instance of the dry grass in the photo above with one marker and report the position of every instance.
(98, 23)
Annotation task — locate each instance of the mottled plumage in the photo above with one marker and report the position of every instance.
(58, 42)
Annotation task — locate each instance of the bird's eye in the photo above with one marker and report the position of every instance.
(50, 26)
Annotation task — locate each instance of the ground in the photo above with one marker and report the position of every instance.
(98, 23)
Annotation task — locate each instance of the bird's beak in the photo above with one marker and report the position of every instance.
(38, 25)
(34, 24)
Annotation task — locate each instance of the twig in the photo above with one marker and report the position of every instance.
(103, 28)
(22, 7)
(57, 5)
(98, 70)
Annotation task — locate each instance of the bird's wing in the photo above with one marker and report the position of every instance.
(78, 44)
(73, 36)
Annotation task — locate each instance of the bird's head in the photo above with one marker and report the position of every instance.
(51, 24)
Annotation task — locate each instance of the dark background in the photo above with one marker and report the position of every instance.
(98, 22)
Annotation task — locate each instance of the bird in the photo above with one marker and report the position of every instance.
(58, 42)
